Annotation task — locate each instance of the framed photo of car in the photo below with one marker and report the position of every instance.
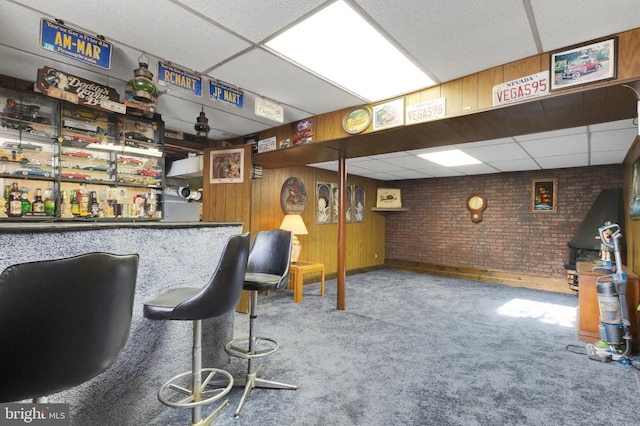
(584, 64)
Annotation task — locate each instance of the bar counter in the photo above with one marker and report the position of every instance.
(171, 254)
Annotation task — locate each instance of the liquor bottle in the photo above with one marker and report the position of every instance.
(94, 206)
(75, 205)
(4, 201)
(49, 202)
(26, 204)
(15, 202)
(83, 198)
(37, 207)
(65, 205)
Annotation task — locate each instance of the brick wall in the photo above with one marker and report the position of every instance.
(437, 229)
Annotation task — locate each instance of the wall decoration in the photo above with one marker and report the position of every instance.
(357, 120)
(583, 64)
(335, 188)
(544, 195)
(293, 196)
(358, 204)
(388, 198)
(227, 166)
(304, 132)
(634, 197)
(323, 203)
(388, 114)
(266, 145)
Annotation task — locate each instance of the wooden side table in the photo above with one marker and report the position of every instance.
(296, 275)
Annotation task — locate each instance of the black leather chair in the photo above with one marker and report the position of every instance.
(218, 297)
(267, 270)
(63, 321)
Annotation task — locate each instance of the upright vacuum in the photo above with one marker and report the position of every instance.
(614, 327)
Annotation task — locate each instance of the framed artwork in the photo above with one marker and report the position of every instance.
(388, 114)
(388, 198)
(634, 196)
(349, 202)
(358, 204)
(583, 64)
(227, 166)
(324, 199)
(544, 195)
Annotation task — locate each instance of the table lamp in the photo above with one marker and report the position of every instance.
(294, 223)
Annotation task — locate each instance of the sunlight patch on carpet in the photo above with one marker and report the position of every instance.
(548, 313)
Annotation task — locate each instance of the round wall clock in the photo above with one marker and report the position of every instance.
(357, 120)
(293, 196)
(476, 204)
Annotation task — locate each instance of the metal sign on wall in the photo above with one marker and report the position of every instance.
(70, 88)
(74, 44)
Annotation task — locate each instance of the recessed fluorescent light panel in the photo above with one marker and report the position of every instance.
(339, 45)
(451, 158)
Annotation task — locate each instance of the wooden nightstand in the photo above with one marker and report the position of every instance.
(296, 277)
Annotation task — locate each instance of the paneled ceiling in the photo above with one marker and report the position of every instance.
(224, 40)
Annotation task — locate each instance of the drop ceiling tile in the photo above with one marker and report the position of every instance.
(149, 33)
(564, 161)
(613, 140)
(274, 14)
(515, 165)
(503, 152)
(282, 82)
(571, 144)
(615, 125)
(475, 169)
(608, 157)
(418, 27)
(599, 19)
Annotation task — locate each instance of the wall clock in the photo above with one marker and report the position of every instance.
(476, 204)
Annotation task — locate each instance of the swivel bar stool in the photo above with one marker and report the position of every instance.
(218, 297)
(267, 269)
(63, 321)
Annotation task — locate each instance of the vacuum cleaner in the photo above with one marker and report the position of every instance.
(614, 327)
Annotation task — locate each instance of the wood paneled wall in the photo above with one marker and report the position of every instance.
(227, 202)
(364, 240)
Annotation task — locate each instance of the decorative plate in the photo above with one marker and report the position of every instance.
(357, 120)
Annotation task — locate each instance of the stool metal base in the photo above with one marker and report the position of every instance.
(251, 381)
(176, 393)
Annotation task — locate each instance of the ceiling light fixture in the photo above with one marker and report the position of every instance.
(450, 158)
(202, 125)
(341, 46)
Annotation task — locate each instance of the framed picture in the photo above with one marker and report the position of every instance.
(358, 204)
(544, 195)
(388, 198)
(323, 203)
(389, 114)
(227, 166)
(583, 64)
(634, 196)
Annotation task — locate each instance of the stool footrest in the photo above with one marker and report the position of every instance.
(240, 347)
(176, 391)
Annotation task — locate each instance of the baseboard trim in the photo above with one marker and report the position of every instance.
(513, 279)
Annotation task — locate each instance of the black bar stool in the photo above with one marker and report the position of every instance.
(63, 321)
(218, 297)
(267, 269)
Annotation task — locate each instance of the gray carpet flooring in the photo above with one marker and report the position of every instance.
(413, 349)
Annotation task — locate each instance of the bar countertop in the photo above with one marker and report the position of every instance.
(22, 227)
